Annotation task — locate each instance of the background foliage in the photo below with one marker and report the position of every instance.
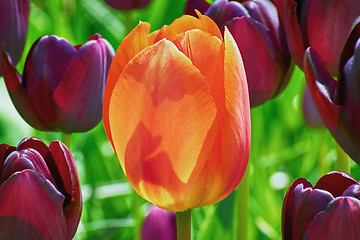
(283, 147)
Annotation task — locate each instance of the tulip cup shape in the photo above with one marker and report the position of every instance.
(330, 210)
(338, 101)
(159, 224)
(62, 86)
(127, 4)
(40, 195)
(176, 111)
(14, 20)
(322, 25)
(257, 31)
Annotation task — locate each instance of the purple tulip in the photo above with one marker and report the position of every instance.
(159, 225)
(14, 19)
(257, 31)
(62, 86)
(40, 195)
(127, 4)
(322, 25)
(330, 210)
(338, 101)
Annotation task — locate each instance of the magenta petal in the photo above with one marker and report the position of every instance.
(66, 168)
(127, 4)
(323, 88)
(39, 206)
(353, 191)
(159, 224)
(335, 183)
(339, 221)
(200, 5)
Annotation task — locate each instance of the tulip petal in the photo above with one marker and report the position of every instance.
(191, 5)
(86, 76)
(66, 170)
(323, 88)
(339, 221)
(133, 43)
(158, 140)
(5, 150)
(335, 183)
(187, 23)
(18, 94)
(39, 206)
(353, 191)
(328, 35)
(257, 48)
(287, 217)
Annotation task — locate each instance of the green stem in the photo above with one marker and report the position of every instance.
(128, 25)
(66, 139)
(135, 211)
(183, 224)
(343, 161)
(242, 207)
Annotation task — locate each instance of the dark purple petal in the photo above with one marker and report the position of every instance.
(339, 221)
(353, 191)
(85, 76)
(159, 224)
(67, 171)
(39, 205)
(335, 183)
(5, 150)
(323, 88)
(127, 4)
(288, 214)
(329, 35)
(44, 70)
(222, 11)
(14, 18)
(258, 50)
(18, 94)
(307, 202)
(200, 5)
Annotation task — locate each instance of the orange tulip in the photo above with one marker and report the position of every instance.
(176, 112)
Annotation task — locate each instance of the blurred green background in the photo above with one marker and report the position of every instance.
(283, 147)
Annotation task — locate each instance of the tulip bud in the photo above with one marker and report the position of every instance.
(127, 4)
(14, 19)
(337, 101)
(176, 111)
(62, 86)
(159, 224)
(257, 31)
(40, 193)
(330, 210)
(317, 24)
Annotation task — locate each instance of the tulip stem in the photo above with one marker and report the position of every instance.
(343, 161)
(183, 224)
(66, 139)
(242, 207)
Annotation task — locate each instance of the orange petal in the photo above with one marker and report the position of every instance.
(133, 43)
(186, 23)
(237, 123)
(160, 114)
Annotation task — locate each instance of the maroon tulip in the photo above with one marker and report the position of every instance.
(257, 31)
(159, 225)
(322, 25)
(40, 195)
(338, 101)
(62, 86)
(330, 210)
(14, 19)
(127, 4)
